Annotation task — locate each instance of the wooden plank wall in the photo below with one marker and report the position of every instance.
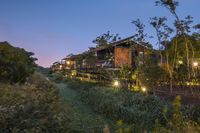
(122, 56)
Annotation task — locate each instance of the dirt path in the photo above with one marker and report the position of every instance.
(84, 117)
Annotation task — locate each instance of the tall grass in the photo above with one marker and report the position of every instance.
(140, 111)
(136, 109)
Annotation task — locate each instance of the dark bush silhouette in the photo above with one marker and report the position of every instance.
(16, 64)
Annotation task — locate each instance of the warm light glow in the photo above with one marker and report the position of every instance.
(144, 89)
(60, 67)
(68, 62)
(73, 74)
(116, 83)
(180, 62)
(195, 64)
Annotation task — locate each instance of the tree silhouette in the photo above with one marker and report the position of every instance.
(16, 64)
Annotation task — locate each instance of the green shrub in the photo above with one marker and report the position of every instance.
(58, 76)
(16, 63)
(32, 107)
(138, 110)
(195, 113)
(177, 123)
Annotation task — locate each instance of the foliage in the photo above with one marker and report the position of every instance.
(176, 123)
(57, 76)
(171, 5)
(195, 113)
(32, 107)
(140, 36)
(105, 39)
(181, 68)
(162, 33)
(90, 59)
(137, 109)
(150, 74)
(16, 64)
(140, 112)
(181, 43)
(125, 72)
(126, 76)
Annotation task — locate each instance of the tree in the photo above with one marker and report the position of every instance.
(196, 34)
(162, 33)
(125, 74)
(16, 64)
(90, 59)
(150, 74)
(140, 36)
(182, 29)
(170, 5)
(105, 39)
(176, 123)
(182, 48)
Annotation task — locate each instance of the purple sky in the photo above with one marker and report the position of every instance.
(54, 28)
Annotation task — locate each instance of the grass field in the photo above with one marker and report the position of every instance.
(84, 119)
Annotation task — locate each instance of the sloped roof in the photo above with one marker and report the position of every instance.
(114, 44)
(120, 42)
(72, 57)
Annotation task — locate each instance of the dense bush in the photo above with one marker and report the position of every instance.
(138, 110)
(150, 74)
(195, 113)
(16, 64)
(32, 107)
(176, 123)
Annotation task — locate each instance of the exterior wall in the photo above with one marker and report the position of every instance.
(122, 56)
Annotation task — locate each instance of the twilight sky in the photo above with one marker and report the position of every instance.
(54, 28)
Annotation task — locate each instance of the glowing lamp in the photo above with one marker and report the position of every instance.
(60, 67)
(180, 62)
(68, 62)
(116, 83)
(144, 89)
(195, 64)
(73, 74)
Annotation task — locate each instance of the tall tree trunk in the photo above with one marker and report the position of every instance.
(159, 41)
(175, 55)
(187, 57)
(170, 74)
(192, 58)
(171, 83)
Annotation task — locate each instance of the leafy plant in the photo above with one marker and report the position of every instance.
(135, 109)
(176, 123)
(16, 63)
(32, 107)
